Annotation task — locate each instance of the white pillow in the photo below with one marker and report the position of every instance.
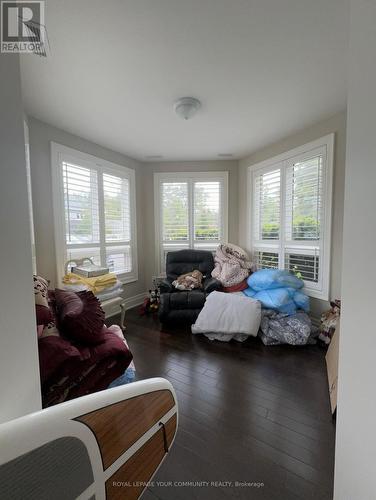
(229, 313)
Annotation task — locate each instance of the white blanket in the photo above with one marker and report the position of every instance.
(227, 316)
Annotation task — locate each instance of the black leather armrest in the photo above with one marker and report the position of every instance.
(165, 286)
(211, 284)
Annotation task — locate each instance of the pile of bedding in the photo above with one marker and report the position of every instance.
(228, 316)
(232, 265)
(277, 328)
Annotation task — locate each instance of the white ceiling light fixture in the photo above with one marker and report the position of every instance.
(187, 107)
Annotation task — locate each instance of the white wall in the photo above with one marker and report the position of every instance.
(355, 471)
(336, 124)
(41, 134)
(19, 380)
(188, 166)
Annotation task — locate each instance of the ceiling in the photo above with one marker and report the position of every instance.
(262, 69)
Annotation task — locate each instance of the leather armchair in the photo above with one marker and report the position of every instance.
(184, 306)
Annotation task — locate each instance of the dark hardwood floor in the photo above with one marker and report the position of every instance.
(247, 413)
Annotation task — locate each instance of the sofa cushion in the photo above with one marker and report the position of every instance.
(186, 261)
(43, 314)
(80, 316)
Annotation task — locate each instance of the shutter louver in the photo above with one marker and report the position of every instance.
(265, 260)
(304, 265)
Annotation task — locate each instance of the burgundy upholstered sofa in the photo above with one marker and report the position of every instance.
(73, 364)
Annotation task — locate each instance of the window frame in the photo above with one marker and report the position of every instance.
(59, 154)
(324, 146)
(190, 178)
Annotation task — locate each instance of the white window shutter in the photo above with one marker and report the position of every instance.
(191, 211)
(175, 214)
(81, 204)
(267, 206)
(94, 212)
(207, 197)
(291, 213)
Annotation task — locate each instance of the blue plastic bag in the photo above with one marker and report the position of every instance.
(268, 279)
(278, 299)
(301, 300)
(249, 292)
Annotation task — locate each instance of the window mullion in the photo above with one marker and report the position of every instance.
(282, 215)
(191, 209)
(102, 226)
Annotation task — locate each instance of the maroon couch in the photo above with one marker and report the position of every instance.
(68, 371)
(73, 365)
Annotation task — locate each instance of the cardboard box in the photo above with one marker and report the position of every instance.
(332, 367)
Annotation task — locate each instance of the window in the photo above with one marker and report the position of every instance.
(94, 208)
(291, 213)
(191, 211)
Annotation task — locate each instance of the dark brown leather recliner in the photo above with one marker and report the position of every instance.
(184, 306)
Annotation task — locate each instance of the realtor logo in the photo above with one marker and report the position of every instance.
(22, 27)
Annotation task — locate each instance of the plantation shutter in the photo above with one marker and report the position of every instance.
(97, 214)
(303, 221)
(117, 223)
(266, 218)
(192, 211)
(207, 197)
(267, 192)
(291, 216)
(81, 212)
(175, 212)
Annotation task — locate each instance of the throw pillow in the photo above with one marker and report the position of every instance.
(40, 291)
(80, 316)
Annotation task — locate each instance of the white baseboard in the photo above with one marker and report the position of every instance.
(130, 302)
(134, 301)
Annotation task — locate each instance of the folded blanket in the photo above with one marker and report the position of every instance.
(96, 284)
(102, 296)
(231, 265)
(228, 316)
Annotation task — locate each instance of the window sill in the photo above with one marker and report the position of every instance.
(125, 280)
(316, 294)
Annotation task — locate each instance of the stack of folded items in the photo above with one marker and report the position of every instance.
(104, 287)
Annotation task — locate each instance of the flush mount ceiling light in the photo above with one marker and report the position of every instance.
(186, 107)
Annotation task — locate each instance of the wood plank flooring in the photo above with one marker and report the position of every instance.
(247, 413)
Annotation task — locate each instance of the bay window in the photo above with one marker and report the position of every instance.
(290, 213)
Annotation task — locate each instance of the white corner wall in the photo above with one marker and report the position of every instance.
(355, 470)
(19, 380)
